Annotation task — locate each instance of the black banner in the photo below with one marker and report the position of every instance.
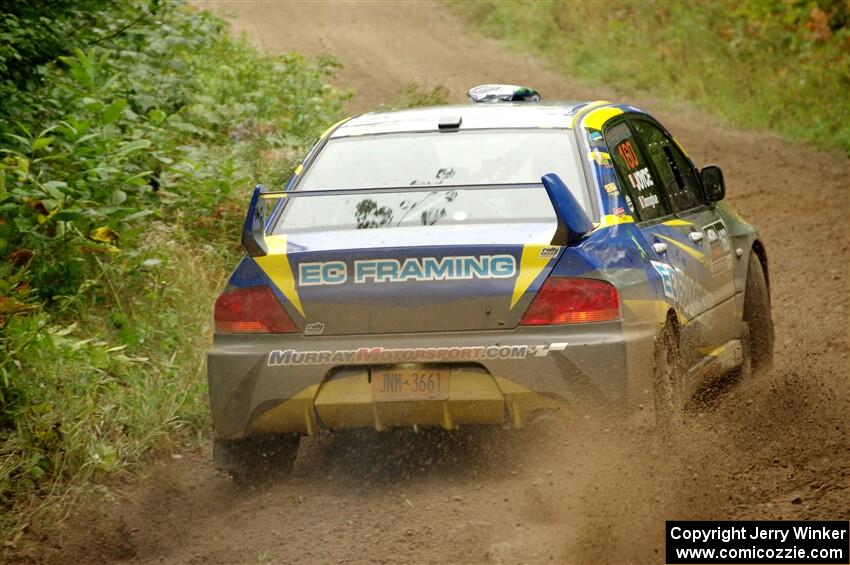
(760, 542)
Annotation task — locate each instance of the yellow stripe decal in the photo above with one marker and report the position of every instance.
(651, 309)
(647, 309)
(584, 109)
(612, 220)
(333, 127)
(299, 168)
(597, 118)
(682, 149)
(716, 352)
(277, 268)
(677, 223)
(531, 264)
(272, 196)
(686, 248)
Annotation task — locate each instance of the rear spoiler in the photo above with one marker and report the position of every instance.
(573, 223)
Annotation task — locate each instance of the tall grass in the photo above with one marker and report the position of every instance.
(778, 65)
(127, 167)
(414, 95)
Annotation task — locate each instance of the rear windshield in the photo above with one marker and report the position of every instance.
(421, 160)
(416, 208)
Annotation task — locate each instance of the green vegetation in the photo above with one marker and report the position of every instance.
(414, 95)
(130, 140)
(778, 65)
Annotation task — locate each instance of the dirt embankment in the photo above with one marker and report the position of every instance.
(593, 489)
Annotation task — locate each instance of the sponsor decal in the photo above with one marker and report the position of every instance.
(666, 272)
(543, 350)
(684, 291)
(290, 357)
(718, 243)
(330, 272)
(600, 157)
(611, 188)
(314, 328)
(411, 269)
(548, 252)
(718, 238)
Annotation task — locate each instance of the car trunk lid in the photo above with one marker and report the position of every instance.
(412, 279)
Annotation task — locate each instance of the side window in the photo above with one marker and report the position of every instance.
(642, 188)
(675, 171)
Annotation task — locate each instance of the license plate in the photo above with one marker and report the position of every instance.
(410, 384)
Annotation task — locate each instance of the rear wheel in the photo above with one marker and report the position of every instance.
(667, 379)
(257, 458)
(757, 316)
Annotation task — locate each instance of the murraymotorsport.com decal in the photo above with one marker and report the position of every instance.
(411, 269)
(282, 357)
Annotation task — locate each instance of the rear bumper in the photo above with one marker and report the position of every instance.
(268, 384)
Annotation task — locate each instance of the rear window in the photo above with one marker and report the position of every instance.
(416, 208)
(475, 157)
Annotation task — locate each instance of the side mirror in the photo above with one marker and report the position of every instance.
(712, 183)
(573, 223)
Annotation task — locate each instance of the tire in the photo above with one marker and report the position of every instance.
(757, 316)
(668, 394)
(257, 459)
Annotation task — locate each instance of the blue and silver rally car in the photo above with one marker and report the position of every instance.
(477, 264)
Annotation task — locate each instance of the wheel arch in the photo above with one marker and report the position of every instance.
(673, 320)
(758, 249)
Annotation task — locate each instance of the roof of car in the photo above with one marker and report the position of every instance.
(472, 116)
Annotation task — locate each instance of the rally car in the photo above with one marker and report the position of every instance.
(476, 264)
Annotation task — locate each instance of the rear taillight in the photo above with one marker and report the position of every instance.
(573, 301)
(251, 310)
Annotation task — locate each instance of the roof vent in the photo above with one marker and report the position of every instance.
(502, 93)
(449, 123)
